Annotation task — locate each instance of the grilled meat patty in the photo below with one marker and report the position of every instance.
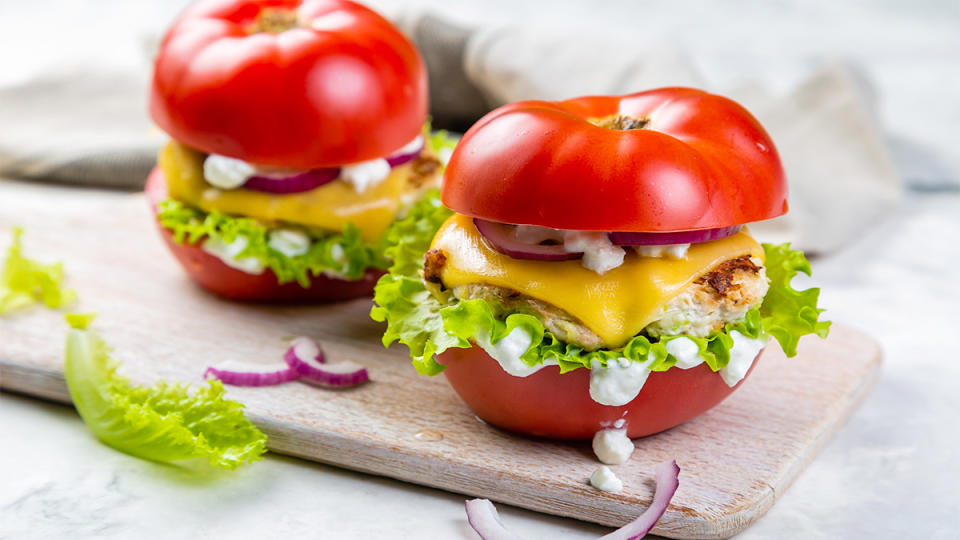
(720, 296)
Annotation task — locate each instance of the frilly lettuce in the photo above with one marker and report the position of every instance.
(344, 253)
(24, 281)
(428, 326)
(160, 423)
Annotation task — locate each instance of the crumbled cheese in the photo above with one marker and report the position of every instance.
(672, 251)
(618, 383)
(742, 354)
(229, 254)
(366, 174)
(225, 172)
(612, 446)
(604, 480)
(686, 351)
(508, 351)
(599, 254)
(290, 242)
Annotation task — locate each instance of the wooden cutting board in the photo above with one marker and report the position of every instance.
(735, 459)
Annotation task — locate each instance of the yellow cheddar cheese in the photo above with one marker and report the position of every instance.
(329, 207)
(616, 305)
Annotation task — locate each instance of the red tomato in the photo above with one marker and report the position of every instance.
(548, 404)
(692, 160)
(215, 276)
(342, 85)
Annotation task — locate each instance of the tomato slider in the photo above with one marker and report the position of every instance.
(596, 271)
(299, 139)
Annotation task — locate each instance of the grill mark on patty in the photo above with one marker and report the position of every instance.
(433, 261)
(423, 168)
(720, 279)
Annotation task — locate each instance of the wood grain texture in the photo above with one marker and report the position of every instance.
(735, 459)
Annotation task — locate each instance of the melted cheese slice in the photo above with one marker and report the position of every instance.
(616, 305)
(330, 206)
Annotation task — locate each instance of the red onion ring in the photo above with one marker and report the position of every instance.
(300, 182)
(667, 478)
(236, 374)
(312, 179)
(399, 159)
(308, 361)
(681, 237)
(483, 517)
(502, 238)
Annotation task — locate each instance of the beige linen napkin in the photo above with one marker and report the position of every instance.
(92, 128)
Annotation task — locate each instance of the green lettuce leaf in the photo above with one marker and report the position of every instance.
(343, 253)
(789, 314)
(429, 325)
(24, 281)
(401, 295)
(161, 423)
(442, 142)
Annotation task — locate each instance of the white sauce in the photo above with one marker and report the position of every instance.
(604, 480)
(599, 254)
(444, 155)
(671, 251)
(366, 174)
(226, 172)
(508, 350)
(228, 253)
(618, 383)
(742, 354)
(410, 147)
(612, 446)
(290, 242)
(336, 252)
(686, 352)
(531, 234)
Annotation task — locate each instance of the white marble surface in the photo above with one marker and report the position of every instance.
(891, 472)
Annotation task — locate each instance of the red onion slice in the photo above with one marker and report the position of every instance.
(399, 159)
(297, 183)
(483, 517)
(243, 374)
(502, 238)
(667, 478)
(306, 359)
(681, 237)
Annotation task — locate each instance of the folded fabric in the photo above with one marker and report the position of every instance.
(92, 127)
(86, 127)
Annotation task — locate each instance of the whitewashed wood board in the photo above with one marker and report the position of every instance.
(735, 459)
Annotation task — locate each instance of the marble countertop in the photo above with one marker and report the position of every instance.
(890, 472)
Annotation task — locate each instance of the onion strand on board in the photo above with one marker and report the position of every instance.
(304, 360)
(484, 519)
